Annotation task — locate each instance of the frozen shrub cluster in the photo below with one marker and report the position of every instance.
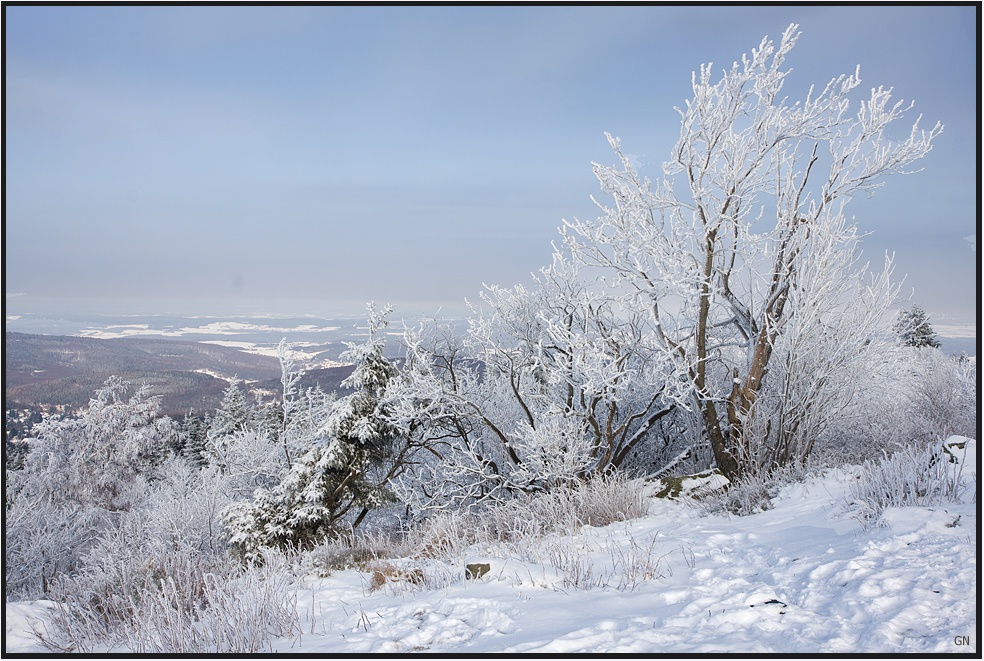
(910, 396)
(930, 476)
(178, 610)
(352, 550)
(81, 477)
(597, 502)
(754, 493)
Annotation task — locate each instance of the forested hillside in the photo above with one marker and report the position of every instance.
(57, 372)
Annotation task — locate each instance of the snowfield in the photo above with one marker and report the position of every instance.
(803, 576)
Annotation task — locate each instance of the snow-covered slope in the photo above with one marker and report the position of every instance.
(802, 576)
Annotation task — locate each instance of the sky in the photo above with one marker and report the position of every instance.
(411, 154)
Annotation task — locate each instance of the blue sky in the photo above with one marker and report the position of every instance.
(409, 154)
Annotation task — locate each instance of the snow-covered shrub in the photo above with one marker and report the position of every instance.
(908, 396)
(236, 611)
(597, 502)
(751, 495)
(913, 476)
(43, 540)
(80, 477)
(549, 385)
(246, 460)
(943, 400)
(564, 510)
(172, 535)
(754, 492)
(351, 550)
(243, 613)
(94, 460)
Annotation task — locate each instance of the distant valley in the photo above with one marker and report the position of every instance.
(59, 372)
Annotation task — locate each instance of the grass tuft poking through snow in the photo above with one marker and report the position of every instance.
(913, 477)
(241, 613)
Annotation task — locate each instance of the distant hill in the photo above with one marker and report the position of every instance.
(64, 371)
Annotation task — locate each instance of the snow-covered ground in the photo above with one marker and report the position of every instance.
(803, 576)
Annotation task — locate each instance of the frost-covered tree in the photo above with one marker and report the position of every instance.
(193, 439)
(80, 475)
(338, 479)
(717, 249)
(234, 416)
(234, 412)
(550, 385)
(93, 460)
(913, 329)
(280, 418)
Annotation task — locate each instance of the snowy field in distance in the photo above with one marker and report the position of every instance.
(258, 328)
(255, 329)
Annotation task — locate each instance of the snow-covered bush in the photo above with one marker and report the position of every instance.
(80, 477)
(94, 460)
(597, 502)
(913, 476)
(943, 399)
(754, 492)
(550, 385)
(356, 549)
(171, 535)
(245, 461)
(44, 540)
(564, 510)
(907, 396)
(179, 611)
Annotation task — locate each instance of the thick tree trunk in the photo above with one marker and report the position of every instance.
(720, 446)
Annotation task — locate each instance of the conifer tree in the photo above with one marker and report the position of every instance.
(234, 413)
(337, 479)
(913, 329)
(234, 416)
(193, 436)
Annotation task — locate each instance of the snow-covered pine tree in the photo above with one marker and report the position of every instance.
(913, 329)
(339, 478)
(234, 413)
(233, 416)
(193, 436)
